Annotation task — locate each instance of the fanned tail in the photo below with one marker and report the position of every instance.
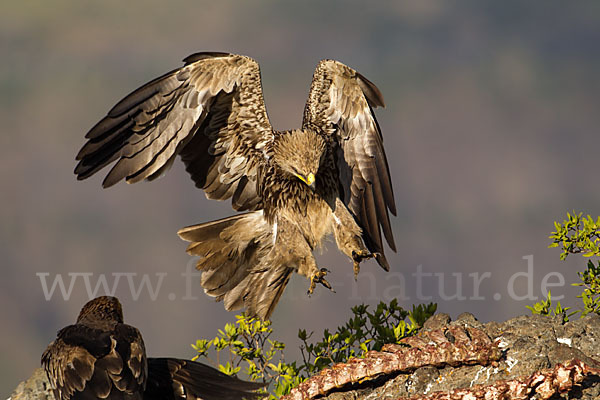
(236, 262)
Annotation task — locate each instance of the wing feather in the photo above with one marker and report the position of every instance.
(85, 362)
(82, 363)
(340, 105)
(171, 378)
(68, 368)
(210, 112)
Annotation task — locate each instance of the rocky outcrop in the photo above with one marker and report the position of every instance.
(525, 357)
(37, 387)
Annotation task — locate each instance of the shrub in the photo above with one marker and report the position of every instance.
(248, 344)
(577, 235)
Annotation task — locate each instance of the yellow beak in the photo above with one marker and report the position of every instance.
(309, 180)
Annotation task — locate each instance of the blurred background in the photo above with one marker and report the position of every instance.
(491, 129)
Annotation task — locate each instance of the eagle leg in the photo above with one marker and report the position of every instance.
(347, 235)
(357, 257)
(319, 277)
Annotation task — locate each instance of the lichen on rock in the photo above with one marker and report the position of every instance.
(525, 357)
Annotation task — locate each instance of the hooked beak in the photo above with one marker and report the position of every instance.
(309, 179)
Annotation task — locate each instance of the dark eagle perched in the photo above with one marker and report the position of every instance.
(296, 186)
(100, 357)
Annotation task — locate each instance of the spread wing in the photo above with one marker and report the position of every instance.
(175, 379)
(87, 363)
(210, 112)
(340, 104)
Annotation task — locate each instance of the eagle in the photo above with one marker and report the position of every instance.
(100, 357)
(293, 188)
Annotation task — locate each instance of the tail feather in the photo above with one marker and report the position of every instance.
(171, 378)
(207, 230)
(268, 287)
(260, 291)
(236, 261)
(222, 280)
(221, 262)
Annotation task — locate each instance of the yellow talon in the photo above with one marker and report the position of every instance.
(319, 277)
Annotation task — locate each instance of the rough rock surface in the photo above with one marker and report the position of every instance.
(451, 345)
(530, 345)
(36, 387)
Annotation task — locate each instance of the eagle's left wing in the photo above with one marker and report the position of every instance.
(340, 105)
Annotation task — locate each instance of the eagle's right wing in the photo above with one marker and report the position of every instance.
(210, 112)
(68, 368)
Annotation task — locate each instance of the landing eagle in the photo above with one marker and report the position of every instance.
(296, 186)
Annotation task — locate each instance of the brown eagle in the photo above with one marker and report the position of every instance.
(296, 186)
(100, 357)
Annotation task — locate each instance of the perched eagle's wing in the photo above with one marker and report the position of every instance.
(210, 111)
(340, 105)
(175, 379)
(133, 352)
(69, 368)
(90, 363)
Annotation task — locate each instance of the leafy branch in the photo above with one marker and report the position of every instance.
(248, 343)
(363, 332)
(577, 235)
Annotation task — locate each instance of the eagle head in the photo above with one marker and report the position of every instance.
(299, 154)
(101, 308)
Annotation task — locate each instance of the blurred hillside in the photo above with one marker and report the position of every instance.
(491, 129)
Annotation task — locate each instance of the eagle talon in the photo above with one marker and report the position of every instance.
(319, 277)
(357, 257)
(356, 270)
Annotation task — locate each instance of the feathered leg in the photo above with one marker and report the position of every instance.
(348, 236)
(292, 249)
